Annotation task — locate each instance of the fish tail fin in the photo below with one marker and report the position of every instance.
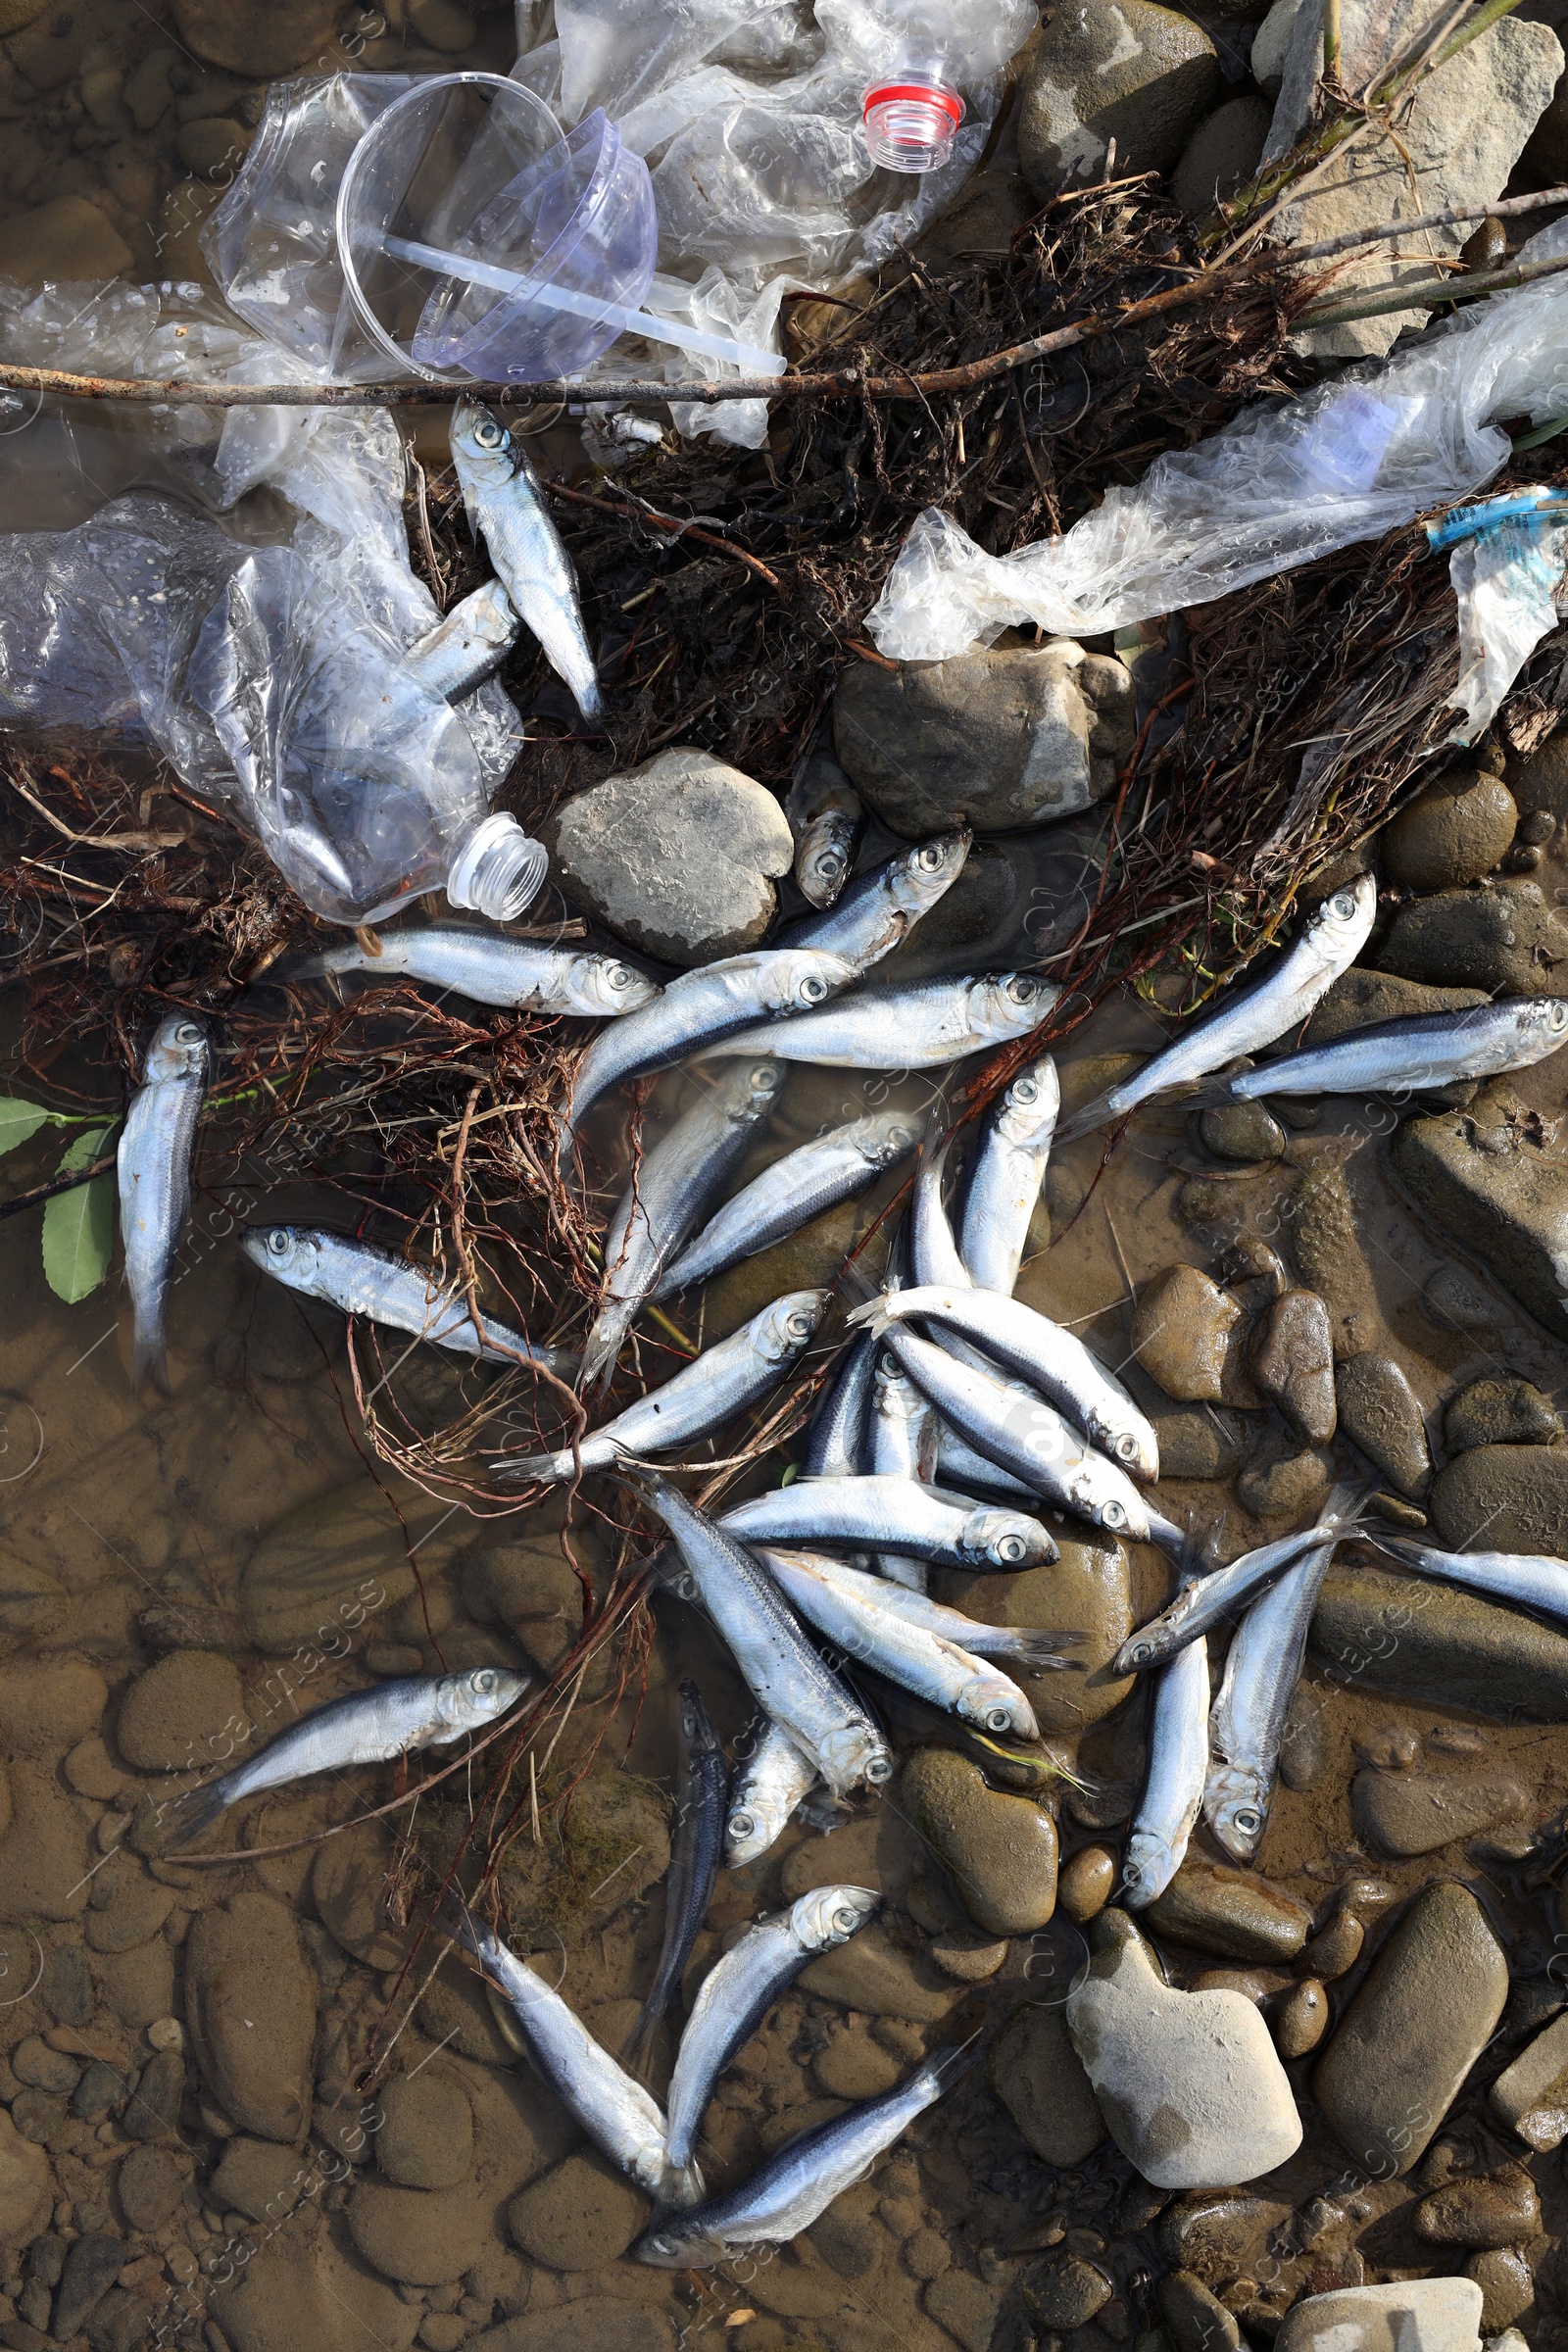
(528, 1469)
(602, 1348)
(1096, 1114)
(951, 2064)
(590, 701)
(1399, 1548)
(149, 1359)
(1200, 1552)
(1042, 1652)
(198, 1809)
(682, 2185)
(873, 1317)
(638, 2045)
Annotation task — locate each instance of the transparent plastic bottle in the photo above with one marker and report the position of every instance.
(919, 52)
(363, 789)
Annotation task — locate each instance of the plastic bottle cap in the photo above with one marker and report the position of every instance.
(911, 125)
(499, 870)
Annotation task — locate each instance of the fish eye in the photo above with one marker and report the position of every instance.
(1342, 904)
(829, 858)
(1557, 1017)
(1140, 1652)
(814, 988)
(1249, 1821)
(764, 1078)
(1026, 1090)
(880, 1769)
(616, 975)
(1011, 1547)
(278, 1242)
(741, 1825)
(1115, 1515)
(187, 1034)
(929, 859)
(798, 1325)
(485, 1679)
(1125, 1447)
(999, 1719)
(489, 434)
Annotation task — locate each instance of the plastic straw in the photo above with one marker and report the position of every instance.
(745, 356)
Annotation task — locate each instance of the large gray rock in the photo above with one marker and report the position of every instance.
(1506, 940)
(1120, 70)
(1221, 154)
(1271, 46)
(677, 857)
(1457, 145)
(1189, 2082)
(992, 739)
(1498, 1189)
(1417, 1639)
(1440, 2314)
(1420, 2021)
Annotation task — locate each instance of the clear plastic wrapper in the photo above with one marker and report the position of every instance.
(1356, 457)
(1508, 579)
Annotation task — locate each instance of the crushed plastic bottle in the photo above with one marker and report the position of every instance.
(919, 52)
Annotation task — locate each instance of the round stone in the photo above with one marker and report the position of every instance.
(427, 2134)
(1454, 832)
(183, 1714)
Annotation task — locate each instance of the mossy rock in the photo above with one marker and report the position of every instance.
(613, 1845)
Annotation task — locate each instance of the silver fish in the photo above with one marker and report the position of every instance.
(739, 1989)
(1205, 1601)
(1530, 1580)
(1029, 1646)
(506, 500)
(901, 1443)
(1174, 1780)
(1014, 1427)
(152, 1166)
(1262, 1671)
(788, 1678)
(771, 1783)
(836, 1441)
(1006, 1175)
(1050, 1358)
(848, 1609)
(934, 1254)
(826, 851)
(1251, 1017)
(918, 1027)
(878, 913)
(702, 1804)
(519, 975)
(618, 2115)
(801, 2182)
(694, 1010)
(370, 1282)
(1419, 1050)
(368, 1727)
(797, 1188)
(893, 1514)
(711, 1390)
(669, 1190)
(466, 646)
(961, 1468)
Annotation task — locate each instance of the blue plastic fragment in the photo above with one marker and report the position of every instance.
(1476, 522)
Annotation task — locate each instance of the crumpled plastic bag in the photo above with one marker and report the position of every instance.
(1359, 455)
(357, 781)
(1509, 580)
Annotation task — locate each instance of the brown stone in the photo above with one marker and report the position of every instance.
(1291, 1360)
(1188, 1334)
(257, 37)
(1230, 1911)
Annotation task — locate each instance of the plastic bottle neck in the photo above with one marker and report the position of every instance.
(498, 871)
(911, 119)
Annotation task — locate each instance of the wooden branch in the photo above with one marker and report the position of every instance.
(848, 383)
(1420, 293)
(641, 513)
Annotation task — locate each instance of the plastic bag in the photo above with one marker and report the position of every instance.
(1507, 571)
(359, 784)
(1359, 455)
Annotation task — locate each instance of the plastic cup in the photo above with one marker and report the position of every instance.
(473, 167)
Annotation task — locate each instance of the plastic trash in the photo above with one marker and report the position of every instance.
(1359, 455)
(274, 679)
(1507, 567)
(919, 52)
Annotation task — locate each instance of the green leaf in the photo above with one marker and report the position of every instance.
(18, 1120)
(78, 1226)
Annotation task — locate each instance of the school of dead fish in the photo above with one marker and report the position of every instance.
(945, 1382)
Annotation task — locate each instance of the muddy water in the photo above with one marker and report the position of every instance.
(130, 1535)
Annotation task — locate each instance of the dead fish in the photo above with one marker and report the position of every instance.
(368, 1727)
(836, 1441)
(1250, 1016)
(801, 2180)
(826, 819)
(707, 1392)
(370, 1282)
(466, 646)
(702, 1802)
(878, 913)
(1415, 1053)
(152, 1167)
(518, 975)
(506, 500)
(920, 1027)
(772, 1783)
(789, 1194)
(1006, 1175)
